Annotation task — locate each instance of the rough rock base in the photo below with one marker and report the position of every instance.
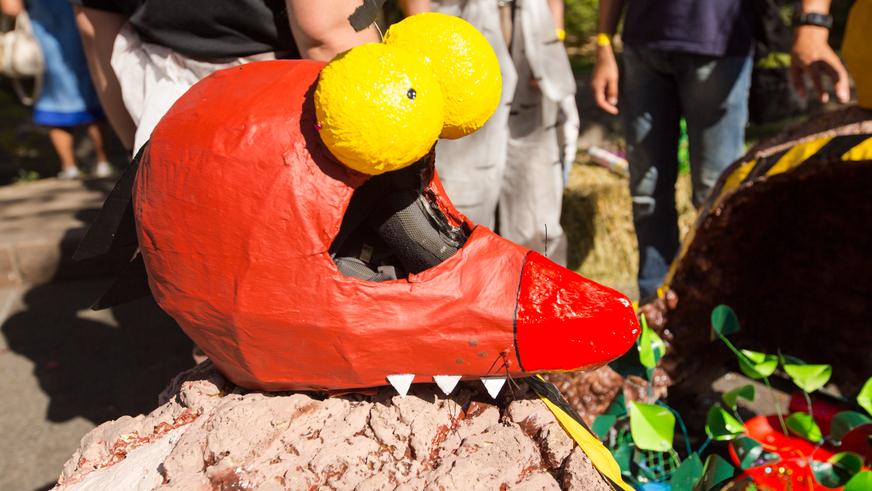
(209, 434)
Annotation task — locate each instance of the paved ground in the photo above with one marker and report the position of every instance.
(41, 223)
(64, 368)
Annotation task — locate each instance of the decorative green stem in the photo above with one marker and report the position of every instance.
(777, 406)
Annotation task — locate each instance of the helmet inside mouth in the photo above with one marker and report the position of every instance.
(393, 227)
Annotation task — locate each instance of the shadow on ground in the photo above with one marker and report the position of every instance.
(99, 366)
(577, 219)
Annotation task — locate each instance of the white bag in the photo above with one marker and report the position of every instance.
(21, 57)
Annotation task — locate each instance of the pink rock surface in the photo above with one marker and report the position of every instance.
(209, 434)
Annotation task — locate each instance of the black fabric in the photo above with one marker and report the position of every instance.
(705, 27)
(208, 29)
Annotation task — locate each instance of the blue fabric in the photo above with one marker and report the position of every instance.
(52, 118)
(657, 88)
(707, 27)
(67, 87)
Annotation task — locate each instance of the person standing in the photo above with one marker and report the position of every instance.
(67, 98)
(690, 58)
(144, 54)
(509, 175)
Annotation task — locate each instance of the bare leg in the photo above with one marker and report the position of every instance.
(62, 140)
(97, 137)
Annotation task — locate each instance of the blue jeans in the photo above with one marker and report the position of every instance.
(657, 87)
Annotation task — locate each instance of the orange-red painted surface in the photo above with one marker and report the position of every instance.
(237, 202)
(793, 470)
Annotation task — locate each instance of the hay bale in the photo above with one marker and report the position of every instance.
(598, 222)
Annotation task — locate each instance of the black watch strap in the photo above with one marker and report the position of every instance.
(813, 19)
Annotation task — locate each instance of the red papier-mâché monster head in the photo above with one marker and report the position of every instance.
(292, 271)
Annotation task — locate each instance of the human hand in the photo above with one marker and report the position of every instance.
(813, 58)
(604, 81)
(11, 8)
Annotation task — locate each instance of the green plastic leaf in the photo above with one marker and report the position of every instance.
(757, 365)
(721, 425)
(864, 398)
(715, 471)
(651, 347)
(602, 424)
(809, 377)
(845, 422)
(652, 426)
(731, 397)
(860, 482)
(687, 474)
(724, 321)
(617, 408)
(803, 425)
(838, 470)
(751, 452)
(622, 454)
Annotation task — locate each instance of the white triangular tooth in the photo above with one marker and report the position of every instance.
(446, 383)
(493, 385)
(401, 382)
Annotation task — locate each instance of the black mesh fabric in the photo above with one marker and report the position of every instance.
(403, 222)
(391, 225)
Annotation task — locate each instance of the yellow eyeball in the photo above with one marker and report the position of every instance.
(464, 64)
(379, 108)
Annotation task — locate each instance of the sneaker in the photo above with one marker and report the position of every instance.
(103, 169)
(69, 173)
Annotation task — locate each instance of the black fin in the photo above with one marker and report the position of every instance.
(114, 227)
(130, 284)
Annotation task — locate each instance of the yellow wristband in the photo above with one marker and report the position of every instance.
(561, 34)
(603, 39)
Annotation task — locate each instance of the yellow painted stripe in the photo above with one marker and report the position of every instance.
(735, 179)
(863, 151)
(598, 454)
(797, 155)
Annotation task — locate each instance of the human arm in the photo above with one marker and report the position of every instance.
(604, 81)
(98, 29)
(321, 33)
(412, 7)
(11, 8)
(813, 58)
(556, 7)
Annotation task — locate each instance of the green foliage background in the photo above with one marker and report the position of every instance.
(580, 20)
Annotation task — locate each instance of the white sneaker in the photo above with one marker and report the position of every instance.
(69, 174)
(103, 169)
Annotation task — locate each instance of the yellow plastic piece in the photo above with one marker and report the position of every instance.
(598, 454)
(857, 50)
(465, 66)
(379, 108)
(561, 34)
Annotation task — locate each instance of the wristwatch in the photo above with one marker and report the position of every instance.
(812, 19)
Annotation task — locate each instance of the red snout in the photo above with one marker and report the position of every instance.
(567, 322)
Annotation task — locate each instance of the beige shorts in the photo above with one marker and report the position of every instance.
(153, 77)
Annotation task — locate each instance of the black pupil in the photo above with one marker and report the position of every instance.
(411, 94)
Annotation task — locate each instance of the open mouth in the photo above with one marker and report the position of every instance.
(394, 226)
